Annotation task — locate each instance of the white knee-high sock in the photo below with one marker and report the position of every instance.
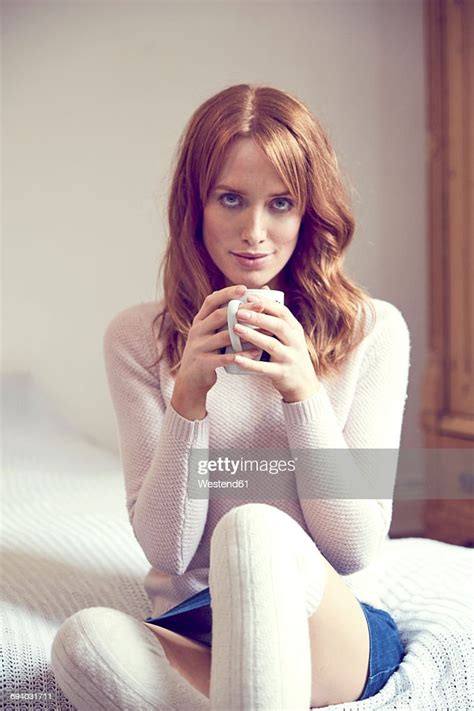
(266, 578)
(106, 660)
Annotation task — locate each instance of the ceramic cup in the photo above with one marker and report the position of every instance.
(232, 309)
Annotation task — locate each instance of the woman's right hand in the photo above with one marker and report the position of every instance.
(201, 356)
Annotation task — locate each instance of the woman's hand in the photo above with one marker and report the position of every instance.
(290, 368)
(201, 355)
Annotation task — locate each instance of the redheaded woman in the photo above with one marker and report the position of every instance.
(250, 605)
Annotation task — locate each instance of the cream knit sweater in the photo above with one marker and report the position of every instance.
(360, 408)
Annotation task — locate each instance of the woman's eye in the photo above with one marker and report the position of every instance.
(227, 195)
(289, 203)
(223, 200)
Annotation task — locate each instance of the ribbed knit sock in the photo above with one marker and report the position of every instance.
(106, 660)
(266, 578)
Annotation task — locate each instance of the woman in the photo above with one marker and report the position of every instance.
(264, 618)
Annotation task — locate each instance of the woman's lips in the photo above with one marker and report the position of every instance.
(251, 262)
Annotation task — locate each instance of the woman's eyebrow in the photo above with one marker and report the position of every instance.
(241, 192)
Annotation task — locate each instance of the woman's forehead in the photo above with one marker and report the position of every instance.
(246, 167)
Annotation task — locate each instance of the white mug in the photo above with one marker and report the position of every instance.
(232, 309)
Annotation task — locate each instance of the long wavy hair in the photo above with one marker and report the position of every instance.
(324, 300)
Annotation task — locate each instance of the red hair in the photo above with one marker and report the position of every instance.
(323, 299)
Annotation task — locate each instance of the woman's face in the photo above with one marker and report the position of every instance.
(249, 211)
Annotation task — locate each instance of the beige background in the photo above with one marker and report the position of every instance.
(94, 98)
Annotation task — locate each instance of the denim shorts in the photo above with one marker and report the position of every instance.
(386, 648)
(193, 618)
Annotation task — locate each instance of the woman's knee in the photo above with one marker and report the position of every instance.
(249, 513)
(75, 640)
(272, 529)
(263, 517)
(88, 618)
(73, 628)
(258, 522)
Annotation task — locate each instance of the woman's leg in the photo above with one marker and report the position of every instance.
(340, 645)
(190, 658)
(266, 578)
(105, 659)
(287, 631)
(339, 648)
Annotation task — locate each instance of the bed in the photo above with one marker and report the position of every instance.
(67, 544)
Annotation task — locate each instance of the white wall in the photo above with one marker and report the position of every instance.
(95, 96)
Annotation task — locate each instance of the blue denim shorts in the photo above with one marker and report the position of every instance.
(193, 618)
(386, 649)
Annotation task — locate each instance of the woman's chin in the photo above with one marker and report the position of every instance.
(252, 281)
(260, 283)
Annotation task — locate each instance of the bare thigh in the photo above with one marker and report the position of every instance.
(190, 658)
(339, 648)
(340, 645)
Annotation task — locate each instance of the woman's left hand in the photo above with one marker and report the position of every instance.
(290, 368)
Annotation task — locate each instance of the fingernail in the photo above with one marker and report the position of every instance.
(252, 352)
(243, 313)
(240, 289)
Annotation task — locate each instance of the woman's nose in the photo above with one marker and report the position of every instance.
(254, 230)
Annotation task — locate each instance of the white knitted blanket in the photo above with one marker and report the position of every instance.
(67, 544)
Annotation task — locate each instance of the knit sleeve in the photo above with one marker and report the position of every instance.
(155, 443)
(350, 531)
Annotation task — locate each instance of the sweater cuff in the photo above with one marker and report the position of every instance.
(188, 431)
(307, 411)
